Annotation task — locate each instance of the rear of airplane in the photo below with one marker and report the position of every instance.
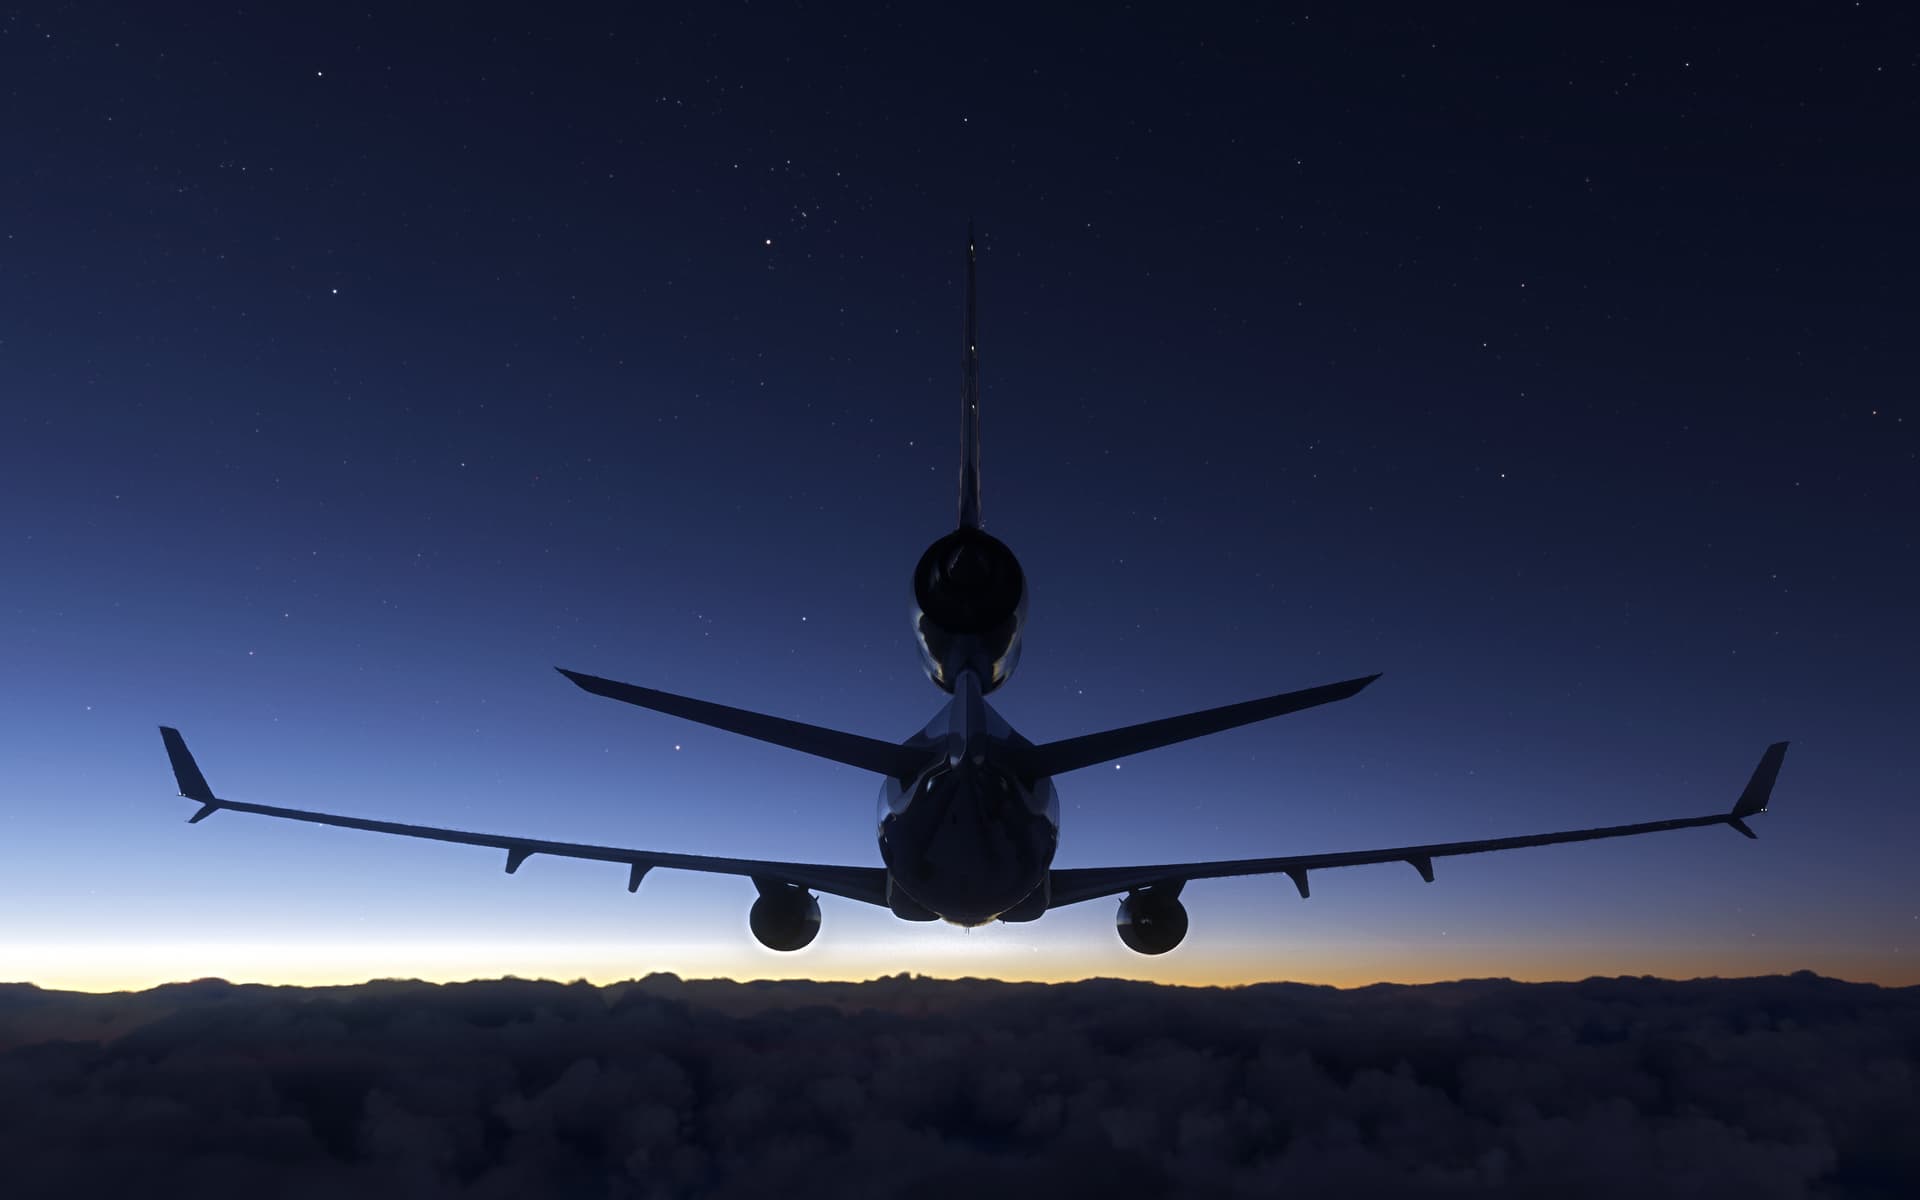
(969, 615)
(969, 817)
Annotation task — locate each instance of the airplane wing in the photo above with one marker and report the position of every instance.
(1072, 885)
(1071, 754)
(868, 884)
(869, 754)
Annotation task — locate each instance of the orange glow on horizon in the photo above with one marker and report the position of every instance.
(113, 968)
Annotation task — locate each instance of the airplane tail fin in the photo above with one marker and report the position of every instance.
(1074, 753)
(970, 407)
(1759, 788)
(186, 773)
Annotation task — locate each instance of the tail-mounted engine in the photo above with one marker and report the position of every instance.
(970, 603)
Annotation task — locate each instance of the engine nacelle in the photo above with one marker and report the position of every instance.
(1151, 924)
(970, 604)
(785, 917)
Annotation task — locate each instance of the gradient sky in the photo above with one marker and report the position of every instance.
(357, 370)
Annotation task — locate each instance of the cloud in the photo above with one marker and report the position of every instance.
(1776, 1087)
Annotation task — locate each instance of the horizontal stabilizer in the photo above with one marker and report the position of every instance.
(869, 754)
(1055, 758)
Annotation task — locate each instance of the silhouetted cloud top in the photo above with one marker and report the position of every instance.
(1759, 1088)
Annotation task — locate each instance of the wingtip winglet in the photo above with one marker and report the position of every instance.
(186, 772)
(1759, 788)
(1346, 689)
(590, 683)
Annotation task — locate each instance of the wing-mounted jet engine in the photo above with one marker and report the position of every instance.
(1152, 920)
(785, 917)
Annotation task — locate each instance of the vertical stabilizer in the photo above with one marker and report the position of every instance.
(970, 409)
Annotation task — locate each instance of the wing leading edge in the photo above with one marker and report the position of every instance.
(868, 754)
(1072, 885)
(1071, 754)
(867, 884)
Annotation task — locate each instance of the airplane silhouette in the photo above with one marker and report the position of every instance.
(969, 818)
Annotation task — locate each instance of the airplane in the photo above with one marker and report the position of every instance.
(969, 817)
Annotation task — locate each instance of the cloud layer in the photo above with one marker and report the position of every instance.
(1776, 1087)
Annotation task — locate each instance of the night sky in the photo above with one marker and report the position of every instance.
(356, 370)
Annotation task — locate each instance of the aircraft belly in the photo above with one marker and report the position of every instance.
(965, 854)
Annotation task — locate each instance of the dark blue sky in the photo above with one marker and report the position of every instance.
(355, 371)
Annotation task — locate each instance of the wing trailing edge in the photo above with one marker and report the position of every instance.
(1074, 884)
(866, 884)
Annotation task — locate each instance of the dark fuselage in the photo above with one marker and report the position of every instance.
(969, 839)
